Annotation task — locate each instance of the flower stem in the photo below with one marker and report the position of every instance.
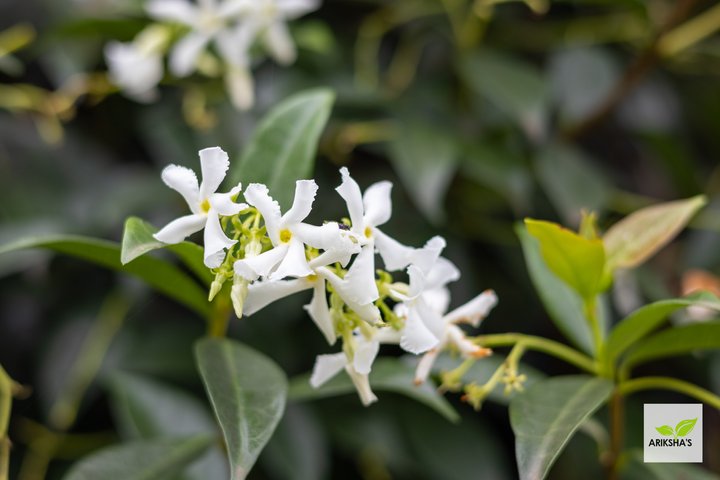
(539, 344)
(667, 383)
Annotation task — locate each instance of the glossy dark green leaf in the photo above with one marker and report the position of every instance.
(634, 468)
(147, 409)
(388, 374)
(159, 459)
(562, 303)
(283, 148)
(676, 341)
(649, 317)
(138, 240)
(160, 275)
(247, 391)
(547, 415)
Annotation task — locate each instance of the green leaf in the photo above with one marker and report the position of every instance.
(425, 160)
(561, 302)
(647, 318)
(388, 374)
(676, 341)
(247, 391)
(142, 460)
(283, 148)
(548, 414)
(578, 261)
(633, 467)
(572, 181)
(147, 409)
(160, 275)
(138, 240)
(684, 427)
(641, 234)
(665, 430)
(513, 86)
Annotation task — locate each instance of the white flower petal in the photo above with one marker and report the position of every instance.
(377, 202)
(180, 228)
(183, 181)
(215, 239)
(359, 282)
(319, 311)
(417, 281)
(369, 312)
(262, 294)
(261, 264)
(279, 43)
(294, 264)
(296, 8)
(365, 353)
(329, 257)
(214, 163)
(416, 338)
(223, 203)
(438, 299)
(350, 192)
(426, 257)
(239, 83)
(441, 273)
(474, 310)
(232, 8)
(466, 347)
(387, 336)
(234, 44)
(256, 194)
(432, 320)
(326, 367)
(184, 55)
(180, 11)
(394, 254)
(329, 237)
(424, 367)
(362, 385)
(305, 191)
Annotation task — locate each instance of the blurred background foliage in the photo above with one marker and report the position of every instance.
(481, 112)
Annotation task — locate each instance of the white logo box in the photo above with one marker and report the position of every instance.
(680, 439)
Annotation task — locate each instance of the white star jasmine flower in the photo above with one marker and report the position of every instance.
(369, 211)
(357, 364)
(470, 313)
(289, 235)
(206, 205)
(429, 274)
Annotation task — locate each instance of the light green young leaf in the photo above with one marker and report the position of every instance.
(158, 274)
(561, 302)
(676, 341)
(138, 240)
(159, 459)
(147, 409)
(247, 391)
(578, 261)
(665, 430)
(282, 149)
(641, 234)
(388, 374)
(548, 414)
(684, 427)
(647, 318)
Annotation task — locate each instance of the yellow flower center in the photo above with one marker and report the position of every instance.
(205, 206)
(368, 232)
(285, 235)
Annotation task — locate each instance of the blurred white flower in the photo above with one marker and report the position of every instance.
(206, 205)
(137, 67)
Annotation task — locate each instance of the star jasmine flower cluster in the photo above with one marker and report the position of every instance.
(196, 35)
(265, 255)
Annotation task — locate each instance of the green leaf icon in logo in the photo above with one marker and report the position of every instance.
(685, 427)
(665, 430)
